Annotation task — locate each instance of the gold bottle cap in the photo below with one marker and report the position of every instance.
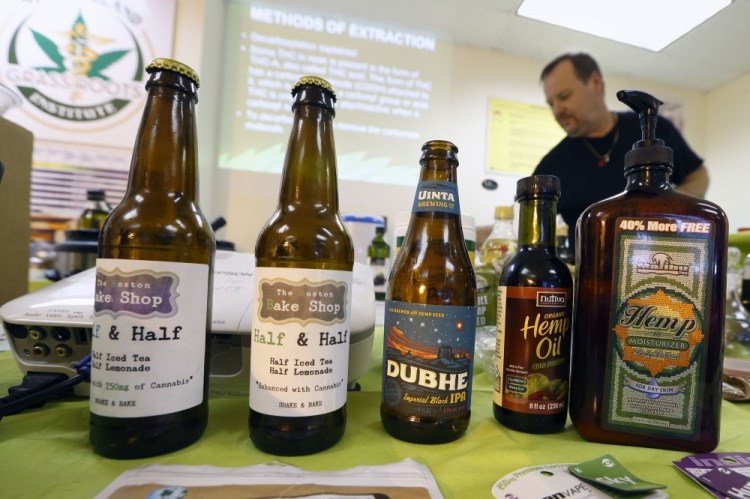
(314, 80)
(176, 66)
(504, 212)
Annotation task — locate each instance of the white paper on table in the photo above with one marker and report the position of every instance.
(403, 479)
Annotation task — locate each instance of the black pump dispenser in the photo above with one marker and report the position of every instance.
(649, 150)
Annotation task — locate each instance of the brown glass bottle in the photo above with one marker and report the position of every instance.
(304, 260)
(650, 295)
(430, 313)
(149, 378)
(534, 316)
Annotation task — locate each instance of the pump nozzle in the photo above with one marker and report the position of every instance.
(649, 149)
(647, 107)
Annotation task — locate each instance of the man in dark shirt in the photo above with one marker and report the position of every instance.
(590, 160)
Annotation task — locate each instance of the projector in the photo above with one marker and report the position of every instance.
(49, 330)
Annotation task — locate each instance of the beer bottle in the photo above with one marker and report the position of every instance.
(650, 298)
(430, 313)
(149, 376)
(95, 210)
(378, 256)
(534, 315)
(299, 353)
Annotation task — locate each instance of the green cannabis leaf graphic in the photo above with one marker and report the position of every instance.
(104, 61)
(86, 61)
(49, 48)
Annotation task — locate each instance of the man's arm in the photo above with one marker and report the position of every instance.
(696, 182)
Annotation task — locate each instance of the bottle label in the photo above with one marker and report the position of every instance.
(436, 195)
(149, 337)
(656, 348)
(533, 349)
(428, 356)
(299, 356)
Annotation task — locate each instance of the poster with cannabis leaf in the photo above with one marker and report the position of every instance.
(78, 65)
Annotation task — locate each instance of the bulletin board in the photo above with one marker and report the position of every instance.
(519, 135)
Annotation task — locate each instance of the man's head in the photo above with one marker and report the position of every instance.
(574, 89)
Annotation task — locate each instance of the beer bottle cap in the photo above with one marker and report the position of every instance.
(316, 81)
(176, 66)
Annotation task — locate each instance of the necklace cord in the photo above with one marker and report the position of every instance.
(603, 159)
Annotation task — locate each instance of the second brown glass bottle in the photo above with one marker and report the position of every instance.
(430, 313)
(303, 292)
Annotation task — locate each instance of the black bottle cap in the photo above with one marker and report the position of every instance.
(649, 150)
(535, 185)
(95, 195)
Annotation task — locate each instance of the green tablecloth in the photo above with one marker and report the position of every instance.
(45, 452)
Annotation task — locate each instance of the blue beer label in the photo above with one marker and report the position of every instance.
(427, 358)
(436, 195)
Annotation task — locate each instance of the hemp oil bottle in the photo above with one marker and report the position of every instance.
(534, 315)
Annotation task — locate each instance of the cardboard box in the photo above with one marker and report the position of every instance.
(16, 144)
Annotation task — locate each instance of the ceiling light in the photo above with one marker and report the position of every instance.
(650, 24)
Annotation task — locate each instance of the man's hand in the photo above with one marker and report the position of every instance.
(696, 183)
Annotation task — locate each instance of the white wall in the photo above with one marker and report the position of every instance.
(246, 199)
(728, 139)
